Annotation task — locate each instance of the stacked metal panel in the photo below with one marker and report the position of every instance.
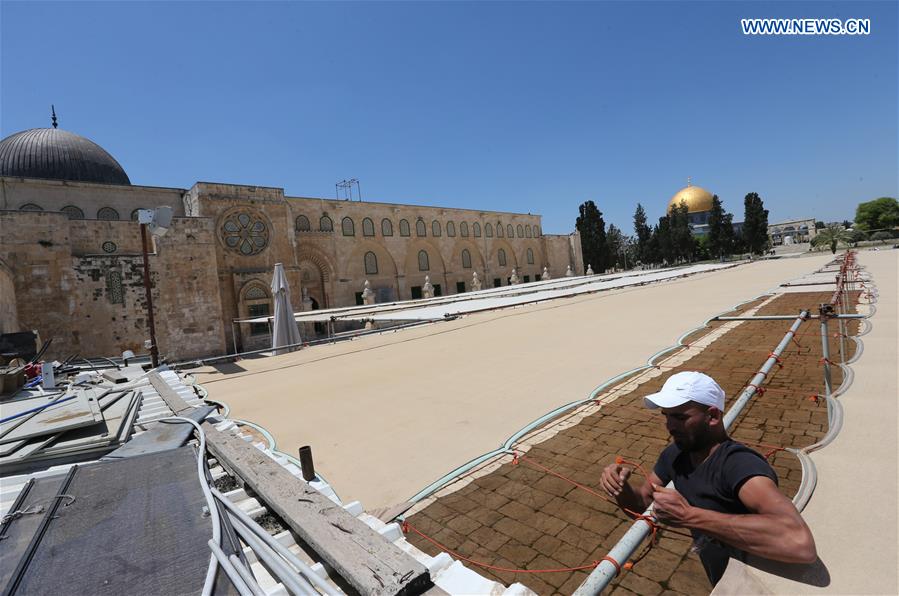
(65, 426)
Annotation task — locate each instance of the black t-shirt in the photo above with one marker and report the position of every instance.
(714, 484)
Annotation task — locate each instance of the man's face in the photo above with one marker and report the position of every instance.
(689, 425)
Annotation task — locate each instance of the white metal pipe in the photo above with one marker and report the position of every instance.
(276, 546)
(292, 580)
(246, 575)
(605, 572)
(229, 570)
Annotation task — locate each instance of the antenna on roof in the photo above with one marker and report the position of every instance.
(53, 118)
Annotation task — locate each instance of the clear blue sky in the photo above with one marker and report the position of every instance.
(530, 107)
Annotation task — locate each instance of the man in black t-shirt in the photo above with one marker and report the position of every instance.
(724, 493)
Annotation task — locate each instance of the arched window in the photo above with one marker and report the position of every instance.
(325, 224)
(463, 229)
(536, 232)
(349, 229)
(30, 207)
(519, 230)
(258, 305)
(368, 227)
(476, 228)
(302, 224)
(371, 263)
(435, 228)
(108, 214)
(527, 231)
(501, 256)
(423, 262)
(530, 257)
(488, 229)
(256, 293)
(404, 228)
(420, 228)
(386, 227)
(499, 230)
(73, 212)
(466, 259)
(135, 213)
(450, 228)
(509, 231)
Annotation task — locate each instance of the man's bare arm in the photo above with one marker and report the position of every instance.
(774, 530)
(615, 481)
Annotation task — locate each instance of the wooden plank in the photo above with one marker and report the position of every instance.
(361, 556)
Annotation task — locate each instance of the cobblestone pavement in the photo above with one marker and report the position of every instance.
(520, 517)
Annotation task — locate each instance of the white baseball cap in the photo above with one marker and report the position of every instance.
(687, 386)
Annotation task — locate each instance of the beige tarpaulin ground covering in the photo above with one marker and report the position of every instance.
(853, 513)
(388, 414)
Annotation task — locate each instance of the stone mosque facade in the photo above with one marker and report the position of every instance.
(71, 265)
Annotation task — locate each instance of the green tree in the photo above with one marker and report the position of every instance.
(881, 236)
(592, 228)
(643, 234)
(832, 235)
(879, 214)
(755, 224)
(615, 245)
(682, 241)
(666, 252)
(721, 231)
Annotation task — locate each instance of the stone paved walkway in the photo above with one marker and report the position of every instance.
(520, 517)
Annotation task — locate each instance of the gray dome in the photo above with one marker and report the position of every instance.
(58, 155)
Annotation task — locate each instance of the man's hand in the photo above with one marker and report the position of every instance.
(614, 479)
(670, 506)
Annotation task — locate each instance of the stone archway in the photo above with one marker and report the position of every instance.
(317, 274)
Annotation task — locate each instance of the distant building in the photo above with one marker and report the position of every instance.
(794, 231)
(71, 265)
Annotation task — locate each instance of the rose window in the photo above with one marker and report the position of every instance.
(245, 233)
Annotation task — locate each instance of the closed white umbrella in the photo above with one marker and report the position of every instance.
(284, 328)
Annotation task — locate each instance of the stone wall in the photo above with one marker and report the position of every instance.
(564, 250)
(92, 302)
(9, 318)
(244, 230)
(329, 261)
(89, 198)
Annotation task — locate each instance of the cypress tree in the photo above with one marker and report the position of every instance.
(755, 224)
(592, 229)
(682, 242)
(643, 234)
(667, 254)
(716, 242)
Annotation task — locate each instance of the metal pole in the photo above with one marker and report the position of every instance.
(306, 464)
(825, 310)
(154, 351)
(786, 317)
(605, 572)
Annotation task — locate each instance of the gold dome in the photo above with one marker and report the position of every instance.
(697, 199)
